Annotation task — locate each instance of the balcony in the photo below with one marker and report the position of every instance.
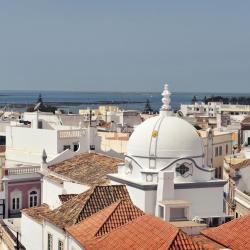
(22, 170)
(66, 134)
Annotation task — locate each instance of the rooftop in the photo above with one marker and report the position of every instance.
(80, 206)
(38, 212)
(65, 197)
(234, 234)
(237, 162)
(123, 226)
(145, 232)
(88, 168)
(104, 221)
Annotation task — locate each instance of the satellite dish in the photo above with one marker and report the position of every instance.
(37, 106)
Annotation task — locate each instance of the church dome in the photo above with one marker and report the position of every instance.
(166, 137)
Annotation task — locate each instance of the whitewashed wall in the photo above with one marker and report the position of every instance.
(244, 181)
(31, 233)
(27, 144)
(205, 202)
(57, 234)
(51, 190)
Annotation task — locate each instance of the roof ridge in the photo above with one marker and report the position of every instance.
(188, 238)
(121, 201)
(170, 244)
(95, 188)
(118, 203)
(92, 190)
(118, 228)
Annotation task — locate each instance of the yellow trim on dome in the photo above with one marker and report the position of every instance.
(155, 133)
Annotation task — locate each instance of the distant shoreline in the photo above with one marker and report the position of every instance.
(61, 104)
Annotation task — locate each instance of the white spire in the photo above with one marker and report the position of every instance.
(166, 108)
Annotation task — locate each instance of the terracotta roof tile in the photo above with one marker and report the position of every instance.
(234, 234)
(102, 197)
(124, 212)
(85, 204)
(207, 243)
(65, 197)
(88, 168)
(185, 242)
(246, 120)
(38, 213)
(120, 231)
(104, 221)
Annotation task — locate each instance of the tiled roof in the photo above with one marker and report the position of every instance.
(55, 179)
(145, 232)
(123, 213)
(123, 226)
(38, 212)
(102, 197)
(88, 168)
(207, 243)
(246, 120)
(85, 204)
(234, 234)
(65, 197)
(104, 221)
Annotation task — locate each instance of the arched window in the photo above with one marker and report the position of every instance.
(33, 198)
(16, 200)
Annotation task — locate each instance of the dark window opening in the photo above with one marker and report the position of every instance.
(65, 147)
(76, 147)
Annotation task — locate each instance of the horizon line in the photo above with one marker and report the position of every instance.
(129, 91)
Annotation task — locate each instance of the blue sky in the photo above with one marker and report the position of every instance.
(125, 45)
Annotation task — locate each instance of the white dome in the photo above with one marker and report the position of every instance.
(166, 137)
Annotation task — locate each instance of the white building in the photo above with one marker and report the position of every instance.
(37, 139)
(211, 109)
(25, 142)
(165, 170)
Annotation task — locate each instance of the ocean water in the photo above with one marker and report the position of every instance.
(73, 101)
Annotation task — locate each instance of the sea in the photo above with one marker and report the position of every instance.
(73, 101)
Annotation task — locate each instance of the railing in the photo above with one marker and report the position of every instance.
(22, 170)
(236, 107)
(242, 198)
(62, 134)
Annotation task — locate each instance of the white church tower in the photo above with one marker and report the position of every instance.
(164, 170)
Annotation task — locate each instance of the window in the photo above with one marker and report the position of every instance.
(50, 241)
(16, 203)
(182, 169)
(60, 245)
(76, 146)
(65, 147)
(218, 172)
(92, 147)
(226, 149)
(40, 124)
(216, 151)
(16, 200)
(248, 141)
(161, 212)
(220, 150)
(33, 199)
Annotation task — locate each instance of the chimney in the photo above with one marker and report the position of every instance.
(165, 188)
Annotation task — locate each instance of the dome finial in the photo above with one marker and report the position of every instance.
(165, 108)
